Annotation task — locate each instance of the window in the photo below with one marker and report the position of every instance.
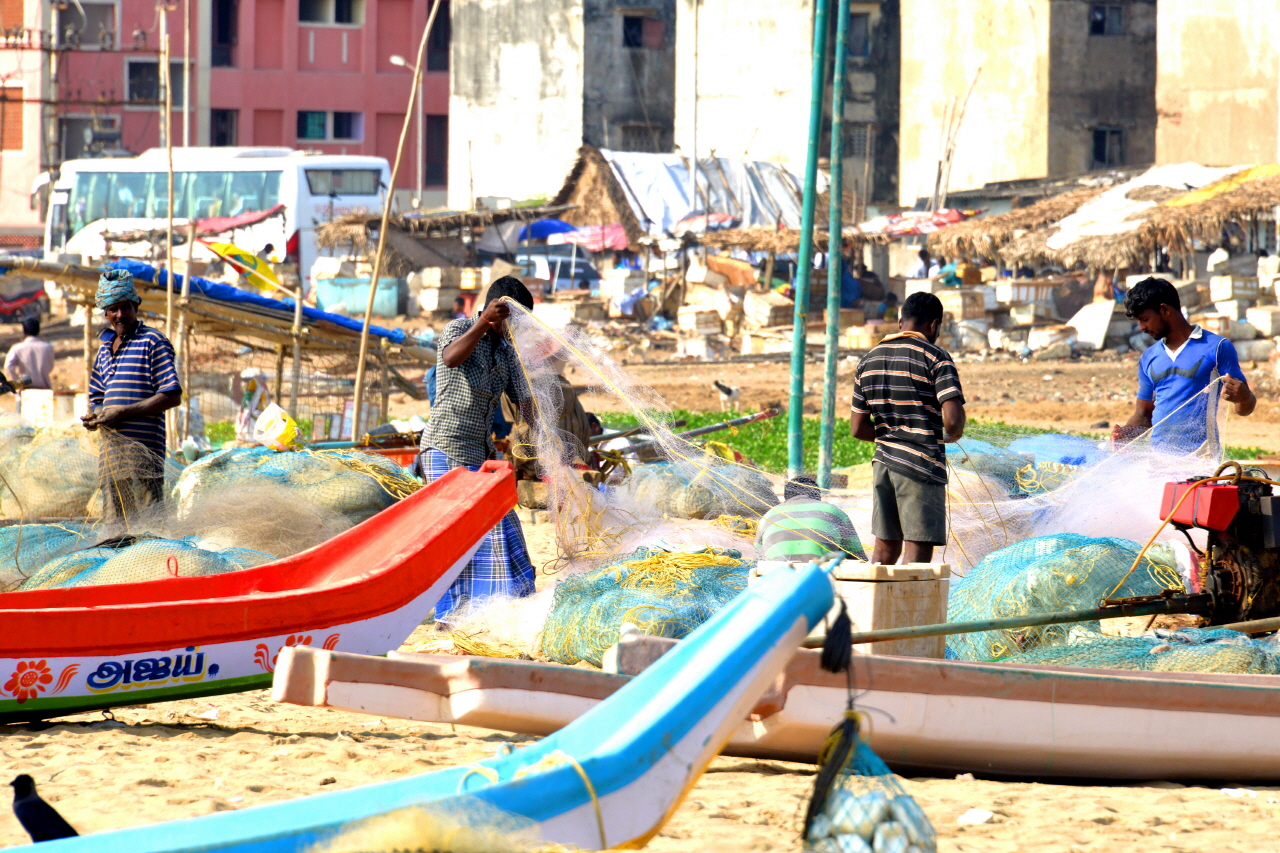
(858, 139)
(145, 195)
(1106, 19)
(642, 31)
(223, 127)
(436, 173)
(311, 124)
(226, 14)
(1108, 147)
(343, 181)
(646, 138)
(144, 82)
(859, 41)
(331, 11)
(438, 43)
(92, 28)
(11, 118)
(319, 125)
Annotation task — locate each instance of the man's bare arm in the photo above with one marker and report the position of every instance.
(1238, 392)
(861, 427)
(953, 420)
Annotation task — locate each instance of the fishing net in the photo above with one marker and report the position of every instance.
(1163, 650)
(25, 548)
(145, 560)
(353, 484)
(867, 810)
(660, 593)
(1044, 574)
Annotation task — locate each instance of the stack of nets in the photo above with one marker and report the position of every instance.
(1162, 650)
(1064, 571)
(661, 593)
(135, 561)
(354, 484)
(704, 491)
(866, 810)
(26, 548)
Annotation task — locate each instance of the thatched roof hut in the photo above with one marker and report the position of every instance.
(597, 196)
(982, 238)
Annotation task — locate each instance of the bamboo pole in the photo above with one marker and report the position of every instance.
(184, 330)
(804, 264)
(358, 401)
(296, 332)
(835, 259)
(171, 416)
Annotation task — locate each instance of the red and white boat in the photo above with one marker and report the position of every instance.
(64, 651)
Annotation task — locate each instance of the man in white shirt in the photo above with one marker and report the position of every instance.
(31, 358)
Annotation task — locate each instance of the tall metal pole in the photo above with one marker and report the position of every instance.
(358, 396)
(835, 258)
(804, 263)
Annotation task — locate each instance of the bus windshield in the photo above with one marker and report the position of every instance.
(145, 195)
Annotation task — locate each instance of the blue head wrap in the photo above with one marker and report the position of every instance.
(116, 286)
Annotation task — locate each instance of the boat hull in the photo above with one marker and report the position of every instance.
(932, 715)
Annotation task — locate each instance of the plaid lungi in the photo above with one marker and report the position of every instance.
(500, 568)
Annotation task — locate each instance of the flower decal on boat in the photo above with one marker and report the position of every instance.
(29, 680)
(262, 654)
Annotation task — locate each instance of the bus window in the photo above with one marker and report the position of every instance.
(205, 195)
(128, 197)
(343, 181)
(58, 225)
(145, 195)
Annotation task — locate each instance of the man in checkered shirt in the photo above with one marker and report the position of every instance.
(477, 365)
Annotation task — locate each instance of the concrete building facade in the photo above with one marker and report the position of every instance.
(1041, 89)
(535, 79)
(1218, 82)
(743, 86)
(311, 74)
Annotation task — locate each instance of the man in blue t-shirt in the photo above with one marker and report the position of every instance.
(1176, 375)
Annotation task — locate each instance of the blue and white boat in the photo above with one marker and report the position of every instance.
(610, 779)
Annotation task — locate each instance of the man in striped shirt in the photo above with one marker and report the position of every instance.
(907, 399)
(133, 383)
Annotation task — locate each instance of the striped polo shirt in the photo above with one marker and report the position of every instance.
(903, 383)
(142, 368)
(802, 528)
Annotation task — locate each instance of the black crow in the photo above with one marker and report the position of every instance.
(41, 820)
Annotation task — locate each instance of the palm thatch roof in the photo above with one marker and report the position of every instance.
(596, 195)
(983, 238)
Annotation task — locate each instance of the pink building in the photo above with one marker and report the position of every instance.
(311, 74)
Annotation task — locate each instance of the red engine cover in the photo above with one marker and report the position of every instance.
(1212, 507)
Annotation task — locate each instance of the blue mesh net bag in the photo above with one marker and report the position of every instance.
(859, 806)
(1164, 650)
(981, 457)
(26, 548)
(144, 560)
(1045, 574)
(662, 593)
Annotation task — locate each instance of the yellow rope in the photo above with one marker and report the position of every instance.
(471, 646)
(488, 773)
(396, 485)
(558, 758)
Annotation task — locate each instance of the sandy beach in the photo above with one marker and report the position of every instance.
(182, 759)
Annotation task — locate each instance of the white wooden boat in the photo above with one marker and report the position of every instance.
(926, 714)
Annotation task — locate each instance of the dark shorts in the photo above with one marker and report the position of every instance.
(906, 509)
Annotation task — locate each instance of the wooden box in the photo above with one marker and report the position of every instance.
(849, 318)
(1265, 320)
(473, 278)
(963, 304)
(880, 596)
(1026, 315)
(1226, 287)
(699, 320)
(1025, 290)
(859, 338)
(1219, 324)
(768, 309)
(922, 285)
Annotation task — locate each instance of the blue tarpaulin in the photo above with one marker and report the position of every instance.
(226, 293)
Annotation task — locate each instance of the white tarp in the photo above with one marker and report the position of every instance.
(1109, 213)
(758, 194)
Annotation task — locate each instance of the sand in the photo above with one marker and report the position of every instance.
(182, 759)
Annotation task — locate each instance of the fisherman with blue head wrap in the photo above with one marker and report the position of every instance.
(133, 383)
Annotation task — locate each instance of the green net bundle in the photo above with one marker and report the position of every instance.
(662, 593)
(695, 490)
(355, 484)
(145, 560)
(1045, 574)
(1183, 650)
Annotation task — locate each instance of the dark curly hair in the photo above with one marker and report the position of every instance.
(1148, 295)
(512, 287)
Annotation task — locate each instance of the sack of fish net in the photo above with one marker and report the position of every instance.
(858, 805)
(1045, 574)
(1164, 650)
(131, 560)
(355, 484)
(661, 593)
(981, 457)
(25, 548)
